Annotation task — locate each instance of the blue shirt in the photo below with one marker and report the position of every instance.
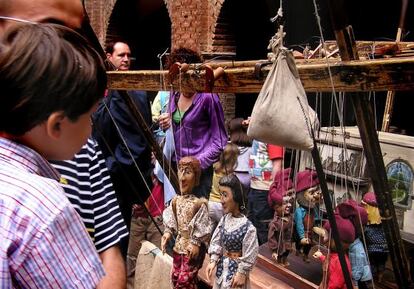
(44, 243)
(361, 270)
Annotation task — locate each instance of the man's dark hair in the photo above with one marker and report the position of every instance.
(109, 47)
(182, 55)
(46, 68)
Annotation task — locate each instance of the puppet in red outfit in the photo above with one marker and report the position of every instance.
(280, 198)
(333, 277)
(308, 196)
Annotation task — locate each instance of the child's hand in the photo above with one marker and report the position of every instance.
(317, 254)
(238, 280)
(210, 269)
(164, 240)
(193, 251)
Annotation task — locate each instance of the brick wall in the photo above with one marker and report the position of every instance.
(99, 12)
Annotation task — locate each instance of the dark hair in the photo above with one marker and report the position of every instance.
(232, 181)
(46, 68)
(182, 55)
(238, 133)
(109, 47)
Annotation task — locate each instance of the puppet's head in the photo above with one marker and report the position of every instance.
(369, 201)
(189, 171)
(308, 192)
(281, 193)
(233, 183)
(346, 232)
(355, 213)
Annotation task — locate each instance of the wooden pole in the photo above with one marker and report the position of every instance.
(389, 103)
(369, 138)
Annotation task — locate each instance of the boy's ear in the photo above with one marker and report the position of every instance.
(54, 124)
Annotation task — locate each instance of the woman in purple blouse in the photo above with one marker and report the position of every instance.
(198, 125)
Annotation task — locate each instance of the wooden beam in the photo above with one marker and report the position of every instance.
(358, 75)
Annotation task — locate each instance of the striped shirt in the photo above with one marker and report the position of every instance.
(43, 243)
(88, 186)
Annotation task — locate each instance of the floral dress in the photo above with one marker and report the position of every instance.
(233, 235)
(187, 220)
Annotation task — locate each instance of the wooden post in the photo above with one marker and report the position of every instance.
(369, 138)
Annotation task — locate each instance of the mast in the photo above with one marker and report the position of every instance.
(365, 120)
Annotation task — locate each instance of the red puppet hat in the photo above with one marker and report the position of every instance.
(281, 184)
(346, 229)
(370, 199)
(305, 180)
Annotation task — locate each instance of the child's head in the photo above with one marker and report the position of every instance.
(228, 160)
(189, 171)
(238, 133)
(51, 80)
(232, 195)
(281, 192)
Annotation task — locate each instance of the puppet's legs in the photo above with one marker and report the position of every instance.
(183, 274)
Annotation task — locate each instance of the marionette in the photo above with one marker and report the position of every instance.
(280, 198)
(332, 271)
(187, 220)
(361, 271)
(234, 245)
(375, 237)
(308, 196)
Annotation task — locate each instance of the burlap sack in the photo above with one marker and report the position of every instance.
(281, 114)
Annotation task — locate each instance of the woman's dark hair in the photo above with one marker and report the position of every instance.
(232, 181)
(238, 133)
(46, 68)
(182, 55)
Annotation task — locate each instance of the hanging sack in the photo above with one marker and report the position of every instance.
(281, 114)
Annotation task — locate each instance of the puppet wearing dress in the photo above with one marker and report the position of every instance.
(308, 196)
(187, 219)
(234, 245)
(281, 227)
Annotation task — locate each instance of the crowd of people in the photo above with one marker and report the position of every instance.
(77, 201)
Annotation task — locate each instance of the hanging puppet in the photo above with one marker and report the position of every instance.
(234, 245)
(280, 198)
(308, 196)
(187, 220)
(333, 276)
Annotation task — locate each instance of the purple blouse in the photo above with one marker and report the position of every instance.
(201, 132)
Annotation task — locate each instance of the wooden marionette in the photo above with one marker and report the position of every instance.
(332, 271)
(308, 196)
(187, 220)
(280, 198)
(234, 245)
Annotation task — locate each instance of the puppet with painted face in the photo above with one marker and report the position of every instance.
(308, 196)
(280, 198)
(234, 245)
(187, 220)
(332, 271)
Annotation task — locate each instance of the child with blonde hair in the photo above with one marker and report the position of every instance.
(225, 166)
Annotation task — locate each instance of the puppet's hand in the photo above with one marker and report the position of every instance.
(238, 280)
(210, 269)
(164, 240)
(193, 251)
(317, 254)
(304, 241)
(274, 256)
